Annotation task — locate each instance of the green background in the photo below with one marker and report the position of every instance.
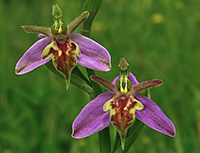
(159, 38)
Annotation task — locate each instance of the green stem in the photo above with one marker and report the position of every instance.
(93, 6)
(104, 141)
(116, 143)
(104, 135)
(96, 88)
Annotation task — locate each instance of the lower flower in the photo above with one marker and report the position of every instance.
(119, 106)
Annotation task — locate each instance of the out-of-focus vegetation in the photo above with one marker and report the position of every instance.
(159, 39)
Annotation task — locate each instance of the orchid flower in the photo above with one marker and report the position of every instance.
(65, 48)
(120, 106)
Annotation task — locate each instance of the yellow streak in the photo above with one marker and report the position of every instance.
(123, 90)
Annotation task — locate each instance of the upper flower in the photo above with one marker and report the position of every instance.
(64, 47)
(124, 103)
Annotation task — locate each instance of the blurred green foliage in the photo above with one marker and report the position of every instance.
(159, 38)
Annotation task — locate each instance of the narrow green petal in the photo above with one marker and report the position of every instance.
(146, 85)
(108, 85)
(74, 24)
(38, 29)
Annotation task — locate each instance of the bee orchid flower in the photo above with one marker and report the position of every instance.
(64, 48)
(120, 106)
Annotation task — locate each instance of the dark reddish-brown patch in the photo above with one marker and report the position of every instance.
(122, 104)
(65, 61)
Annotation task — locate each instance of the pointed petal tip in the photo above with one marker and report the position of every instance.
(123, 144)
(73, 135)
(92, 77)
(78, 135)
(158, 82)
(172, 132)
(123, 138)
(17, 72)
(25, 28)
(67, 84)
(153, 117)
(19, 69)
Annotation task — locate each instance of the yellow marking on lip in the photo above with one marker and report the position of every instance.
(59, 53)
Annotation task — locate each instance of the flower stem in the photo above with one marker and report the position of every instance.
(104, 135)
(92, 6)
(96, 88)
(104, 141)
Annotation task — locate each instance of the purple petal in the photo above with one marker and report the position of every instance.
(92, 118)
(153, 117)
(115, 80)
(32, 58)
(133, 79)
(41, 35)
(93, 55)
